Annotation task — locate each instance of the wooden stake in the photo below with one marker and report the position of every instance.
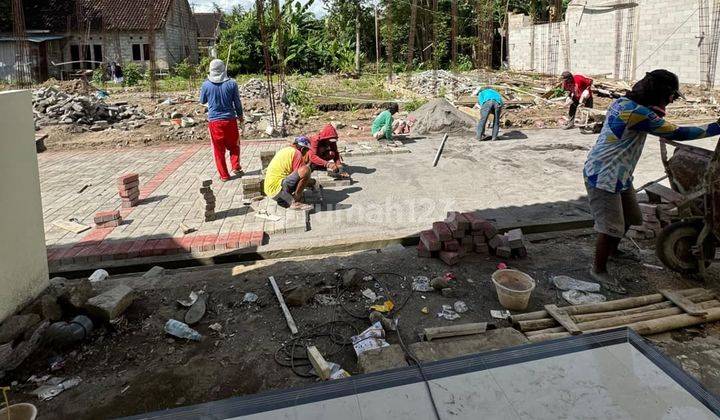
(322, 368)
(683, 302)
(283, 306)
(563, 319)
(455, 330)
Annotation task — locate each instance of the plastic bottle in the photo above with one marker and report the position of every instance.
(98, 275)
(181, 330)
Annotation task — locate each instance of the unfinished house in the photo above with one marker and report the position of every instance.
(622, 40)
(209, 26)
(67, 36)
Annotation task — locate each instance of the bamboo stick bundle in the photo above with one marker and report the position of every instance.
(613, 305)
(701, 295)
(651, 326)
(624, 320)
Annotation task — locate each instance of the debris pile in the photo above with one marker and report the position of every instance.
(655, 217)
(439, 83)
(52, 106)
(440, 116)
(463, 233)
(254, 89)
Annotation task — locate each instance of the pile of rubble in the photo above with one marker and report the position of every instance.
(254, 89)
(440, 83)
(52, 107)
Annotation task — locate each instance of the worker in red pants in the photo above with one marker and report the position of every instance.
(222, 97)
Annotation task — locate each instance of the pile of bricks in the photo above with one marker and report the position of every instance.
(252, 187)
(208, 199)
(463, 233)
(655, 217)
(129, 190)
(108, 218)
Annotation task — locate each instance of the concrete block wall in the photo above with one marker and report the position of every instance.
(618, 38)
(181, 34)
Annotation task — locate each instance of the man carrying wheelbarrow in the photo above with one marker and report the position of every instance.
(610, 164)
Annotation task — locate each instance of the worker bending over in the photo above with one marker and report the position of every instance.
(288, 174)
(382, 126)
(579, 90)
(324, 154)
(611, 162)
(489, 101)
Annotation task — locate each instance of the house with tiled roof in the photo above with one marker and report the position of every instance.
(67, 36)
(209, 26)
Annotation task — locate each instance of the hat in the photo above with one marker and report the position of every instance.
(302, 141)
(218, 73)
(566, 75)
(667, 79)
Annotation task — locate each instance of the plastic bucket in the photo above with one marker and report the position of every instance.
(513, 288)
(22, 411)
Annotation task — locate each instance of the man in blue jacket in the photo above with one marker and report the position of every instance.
(489, 101)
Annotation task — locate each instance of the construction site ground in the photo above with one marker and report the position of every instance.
(133, 367)
(393, 194)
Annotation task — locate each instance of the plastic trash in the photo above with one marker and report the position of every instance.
(569, 283)
(190, 301)
(98, 275)
(505, 314)
(421, 284)
(55, 386)
(371, 338)
(448, 313)
(460, 307)
(370, 295)
(181, 330)
(217, 327)
(250, 297)
(576, 297)
(384, 308)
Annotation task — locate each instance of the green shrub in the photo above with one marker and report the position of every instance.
(98, 76)
(132, 74)
(185, 70)
(414, 104)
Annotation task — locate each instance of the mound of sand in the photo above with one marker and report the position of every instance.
(440, 116)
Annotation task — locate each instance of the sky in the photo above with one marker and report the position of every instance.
(207, 5)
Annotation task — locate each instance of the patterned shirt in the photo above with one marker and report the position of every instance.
(612, 161)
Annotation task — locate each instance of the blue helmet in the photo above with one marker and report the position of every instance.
(302, 141)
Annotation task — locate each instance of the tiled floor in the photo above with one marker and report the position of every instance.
(615, 382)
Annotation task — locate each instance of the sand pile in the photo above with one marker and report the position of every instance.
(440, 116)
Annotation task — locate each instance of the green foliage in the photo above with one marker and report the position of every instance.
(414, 104)
(464, 63)
(300, 97)
(99, 75)
(132, 74)
(185, 70)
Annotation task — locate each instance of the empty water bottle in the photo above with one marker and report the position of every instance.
(181, 330)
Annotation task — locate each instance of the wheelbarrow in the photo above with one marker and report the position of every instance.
(688, 244)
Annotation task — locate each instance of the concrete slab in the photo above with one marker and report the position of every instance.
(385, 358)
(449, 348)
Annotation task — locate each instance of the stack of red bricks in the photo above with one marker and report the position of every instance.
(108, 218)
(655, 217)
(208, 200)
(463, 233)
(129, 190)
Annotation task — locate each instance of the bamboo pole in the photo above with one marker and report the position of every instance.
(613, 305)
(652, 326)
(540, 324)
(624, 320)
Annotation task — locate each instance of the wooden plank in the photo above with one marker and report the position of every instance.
(322, 368)
(563, 319)
(73, 227)
(665, 193)
(455, 330)
(683, 302)
(283, 306)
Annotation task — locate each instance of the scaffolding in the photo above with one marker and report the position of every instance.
(23, 62)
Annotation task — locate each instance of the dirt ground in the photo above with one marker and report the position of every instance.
(133, 367)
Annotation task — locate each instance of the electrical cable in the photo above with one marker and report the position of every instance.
(417, 362)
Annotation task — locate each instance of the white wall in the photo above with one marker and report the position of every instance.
(23, 257)
(620, 38)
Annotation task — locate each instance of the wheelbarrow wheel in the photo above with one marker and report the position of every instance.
(675, 244)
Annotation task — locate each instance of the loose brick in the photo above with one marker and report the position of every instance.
(514, 238)
(482, 249)
(476, 222)
(206, 183)
(489, 230)
(450, 258)
(111, 304)
(495, 242)
(130, 195)
(110, 223)
(456, 232)
(130, 186)
(442, 231)
(457, 221)
(106, 216)
(129, 179)
(423, 252)
(431, 242)
(452, 245)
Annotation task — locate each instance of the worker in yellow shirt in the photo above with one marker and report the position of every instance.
(289, 173)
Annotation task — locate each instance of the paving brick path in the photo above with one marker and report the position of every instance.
(169, 195)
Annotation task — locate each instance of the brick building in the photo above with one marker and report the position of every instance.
(622, 39)
(68, 35)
